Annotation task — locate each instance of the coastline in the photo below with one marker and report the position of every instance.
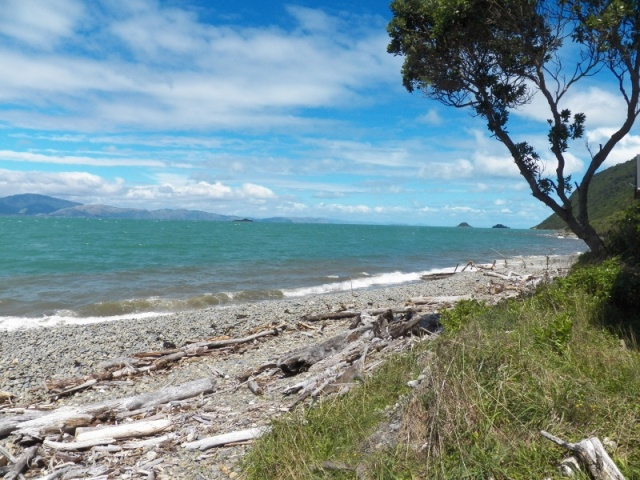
(30, 357)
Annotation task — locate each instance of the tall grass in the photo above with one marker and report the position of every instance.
(495, 379)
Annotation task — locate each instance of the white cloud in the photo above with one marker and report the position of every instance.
(251, 190)
(39, 23)
(61, 159)
(459, 209)
(626, 149)
(456, 169)
(344, 209)
(156, 67)
(432, 117)
(68, 185)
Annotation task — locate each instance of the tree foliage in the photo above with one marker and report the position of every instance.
(492, 56)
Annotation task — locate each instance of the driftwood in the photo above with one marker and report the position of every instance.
(146, 362)
(69, 418)
(592, 454)
(301, 360)
(254, 387)
(437, 276)
(125, 430)
(74, 446)
(227, 438)
(22, 463)
(437, 300)
(331, 316)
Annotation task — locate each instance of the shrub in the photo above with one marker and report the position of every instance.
(624, 238)
(457, 318)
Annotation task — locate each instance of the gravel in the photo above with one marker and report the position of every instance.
(29, 357)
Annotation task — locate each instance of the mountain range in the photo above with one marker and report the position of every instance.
(31, 204)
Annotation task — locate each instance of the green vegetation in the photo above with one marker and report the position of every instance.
(563, 360)
(611, 191)
(492, 56)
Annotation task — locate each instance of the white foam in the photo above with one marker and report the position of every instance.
(393, 278)
(15, 323)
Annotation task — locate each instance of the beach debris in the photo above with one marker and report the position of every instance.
(22, 463)
(147, 362)
(90, 440)
(227, 438)
(592, 455)
(254, 387)
(69, 418)
(437, 276)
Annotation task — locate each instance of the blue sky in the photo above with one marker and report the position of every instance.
(254, 108)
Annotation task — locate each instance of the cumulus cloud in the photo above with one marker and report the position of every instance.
(153, 66)
(460, 168)
(65, 184)
(344, 209)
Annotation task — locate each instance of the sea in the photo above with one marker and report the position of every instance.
(66, 270)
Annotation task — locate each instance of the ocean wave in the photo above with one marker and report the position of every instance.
(68, 318)
(383, 279)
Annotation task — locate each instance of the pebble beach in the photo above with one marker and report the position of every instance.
(30, 357)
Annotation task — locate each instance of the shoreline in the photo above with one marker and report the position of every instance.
(67, 350)
(32, 357)
(343, 287)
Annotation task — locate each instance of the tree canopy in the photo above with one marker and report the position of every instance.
(492, 56)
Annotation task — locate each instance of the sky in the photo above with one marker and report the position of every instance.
(255, 109)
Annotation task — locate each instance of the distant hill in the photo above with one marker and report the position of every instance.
(610, 191)
(32, 204)
(107, 211)
(29, 204)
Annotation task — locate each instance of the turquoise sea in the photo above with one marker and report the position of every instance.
(60, 268)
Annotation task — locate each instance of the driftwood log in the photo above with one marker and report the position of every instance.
(592, 455)
(301, 360)
(67, 419)
(227, 438)
(22, 463)
(146, 362)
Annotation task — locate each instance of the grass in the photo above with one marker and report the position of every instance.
(495, 379)
(331, 429)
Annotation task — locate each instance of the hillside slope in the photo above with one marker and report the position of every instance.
(610, 191)
(32, 204)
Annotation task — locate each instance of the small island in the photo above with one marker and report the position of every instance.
(243, 220)
(499, 225)
(464, 225)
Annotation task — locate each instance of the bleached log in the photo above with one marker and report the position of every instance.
(592, 454)
(57, 474)
(22, 463)
(69, 418)
(437, 300)
(224, 439)
(509, 276)
(125, 430)
(151, 442)
(73, 446)
(331, 316)
(94, 472)
(234, 341)
(300, 360)
(254, 387)
(7, 454)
